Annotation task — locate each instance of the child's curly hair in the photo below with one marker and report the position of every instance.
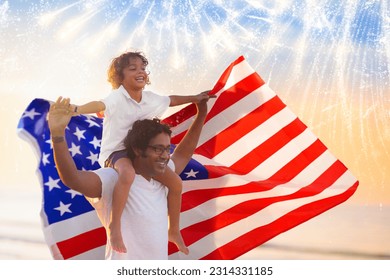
(114, 72)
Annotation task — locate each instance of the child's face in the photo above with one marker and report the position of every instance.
(135, 75)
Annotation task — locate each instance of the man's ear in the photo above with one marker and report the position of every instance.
(139, 153)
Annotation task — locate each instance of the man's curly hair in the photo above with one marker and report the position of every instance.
(114, 72)
(141, 133)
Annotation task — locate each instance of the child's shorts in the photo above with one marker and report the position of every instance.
(110, 161)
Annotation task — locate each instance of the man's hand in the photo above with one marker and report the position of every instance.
(59, 117)
(202, 107)
(203, 96)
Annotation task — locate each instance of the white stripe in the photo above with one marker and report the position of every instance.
(273, 212)
(97, 253)
(256, 137)
(71, 227)
(220, 204)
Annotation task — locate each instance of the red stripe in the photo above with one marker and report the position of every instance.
(240, 211)
(235, 93)
(300, 162)
(82, 243)
(195, 198)
(180, 116)
(258, 236)
(265, 150)
(240, 128)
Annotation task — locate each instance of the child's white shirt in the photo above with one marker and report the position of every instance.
(120, 114)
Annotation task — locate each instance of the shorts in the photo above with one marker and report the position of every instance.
(110, 161)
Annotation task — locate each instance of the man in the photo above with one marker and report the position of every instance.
(145, 228)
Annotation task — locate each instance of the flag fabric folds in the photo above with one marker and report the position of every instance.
(257, 172)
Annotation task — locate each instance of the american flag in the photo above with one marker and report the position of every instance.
(71, 227)
(257, 172)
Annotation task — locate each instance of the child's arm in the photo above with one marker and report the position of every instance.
(183, 99)
(88, 108)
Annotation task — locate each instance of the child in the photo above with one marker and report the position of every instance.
(126, 104)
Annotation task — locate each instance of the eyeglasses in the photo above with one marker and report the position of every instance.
(160, 149)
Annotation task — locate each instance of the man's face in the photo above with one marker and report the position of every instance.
(155, 158)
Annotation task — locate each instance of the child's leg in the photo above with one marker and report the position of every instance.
(175, 186)
(126, 175)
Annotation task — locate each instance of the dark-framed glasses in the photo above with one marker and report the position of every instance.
(158, 149)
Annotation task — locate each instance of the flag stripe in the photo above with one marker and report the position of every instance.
(285, 175)
(241, 89)
(309, 174)
(181, 117)
(91, 254)
(72, 227)
(226, 75)
(253, 204)
(267, 148)
(223, 203)
(262, 234)
(233, 133)
(254, 138)
(82, 243)
(272, 212)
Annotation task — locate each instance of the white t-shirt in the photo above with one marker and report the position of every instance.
(144, 219)
(120, 114)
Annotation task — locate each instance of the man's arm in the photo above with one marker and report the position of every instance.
(185, 149)
(85, 182)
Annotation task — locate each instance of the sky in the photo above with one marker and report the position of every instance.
(327, 60)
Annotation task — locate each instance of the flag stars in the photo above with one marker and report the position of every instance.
(48, 141)
(45, 159)
(191, 173)
(92, 123)
(96, 142)
(63, 208)
(52, 184)
(79, 133)
(92, 157)
(30, 114)
(73, 193)
(75, 150)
